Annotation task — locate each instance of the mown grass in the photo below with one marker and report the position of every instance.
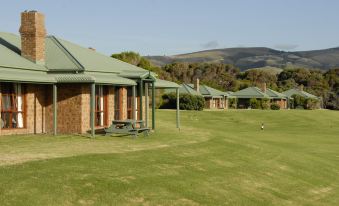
(218, 158)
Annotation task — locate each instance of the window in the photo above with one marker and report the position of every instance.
(129, 103)
(12, 106)
(100, 105)
(117, 103)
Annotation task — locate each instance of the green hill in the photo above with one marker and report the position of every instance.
(257, 57)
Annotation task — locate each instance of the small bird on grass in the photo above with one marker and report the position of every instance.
(262, 126)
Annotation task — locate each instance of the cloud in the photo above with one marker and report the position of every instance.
(210, 45)
(286, 46)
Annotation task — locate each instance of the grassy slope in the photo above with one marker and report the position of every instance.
(218, 158)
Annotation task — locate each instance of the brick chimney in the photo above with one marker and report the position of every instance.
(263, 87)
(197, 85)
(33, 34)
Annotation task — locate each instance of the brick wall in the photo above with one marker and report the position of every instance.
(74, 109)
(124, 102)
(110, 105)
(208, 103)
(282, 103)
(70, 108)
(85, 107)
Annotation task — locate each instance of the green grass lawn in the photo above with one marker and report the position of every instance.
(218, 158)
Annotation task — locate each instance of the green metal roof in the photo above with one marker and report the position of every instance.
(11, 54)
(106, 78)
(211, 92)
(95, 61)
(58, 58)
(304, 94)
(207, 91)
(250, 92)
(275, 95)
(159, 83)
(73, 78)
(187, 89)
(93, 77)
(64, 57)
(229, 94)
(27, 76)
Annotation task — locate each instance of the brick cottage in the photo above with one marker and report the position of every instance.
(49, 85)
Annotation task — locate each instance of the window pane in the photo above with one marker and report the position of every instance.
(5, 103)
(5, 120)
(100, 105)
(97, 118)
(14, 120)
(11, 106)
(20, 120)
(117, 103)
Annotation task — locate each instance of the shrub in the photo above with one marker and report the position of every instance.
(312, 103)
(254, 103)
(187, 102)
(299, 101)
(191, 102)
(169, 101)
(275, 106)
(232, 103)
(265, 103)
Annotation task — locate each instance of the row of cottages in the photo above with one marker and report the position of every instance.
(214, 99)
(49, 85)
(243, 96)
(282, 99)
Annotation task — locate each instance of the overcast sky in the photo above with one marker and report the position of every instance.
(159, 27)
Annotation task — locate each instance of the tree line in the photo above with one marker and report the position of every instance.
(227, 77)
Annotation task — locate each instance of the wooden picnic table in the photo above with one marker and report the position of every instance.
(128, 126)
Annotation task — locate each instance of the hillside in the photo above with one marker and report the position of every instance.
(257, 57)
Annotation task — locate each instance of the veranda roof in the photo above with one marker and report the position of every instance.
(25, 76)
(164, 84)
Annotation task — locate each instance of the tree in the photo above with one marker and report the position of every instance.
(137, 60)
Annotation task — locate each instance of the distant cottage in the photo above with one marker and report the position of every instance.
(214, 99)
(50, 85)
(245, 95)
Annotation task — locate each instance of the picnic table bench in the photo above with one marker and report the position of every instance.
(129, 127)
